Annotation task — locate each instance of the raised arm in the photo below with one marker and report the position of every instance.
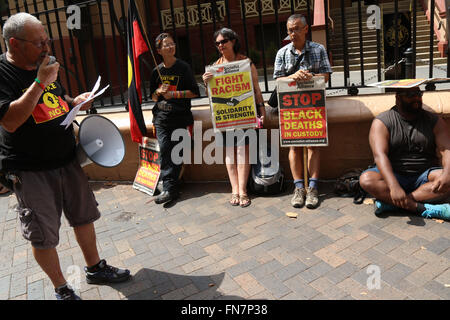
(21, 109)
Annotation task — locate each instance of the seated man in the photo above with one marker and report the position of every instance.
(404, 142)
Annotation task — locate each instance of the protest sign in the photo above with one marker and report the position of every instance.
(231, 96)
(405, 83)
(149, 167)
(302, 113)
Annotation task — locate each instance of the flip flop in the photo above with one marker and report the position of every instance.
(245, 201)
(3, 189)
(234, 201)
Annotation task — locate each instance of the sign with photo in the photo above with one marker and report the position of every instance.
(231, 96)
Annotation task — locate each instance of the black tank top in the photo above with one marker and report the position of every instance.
(412, 147)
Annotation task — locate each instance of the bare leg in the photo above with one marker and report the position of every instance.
(425, 194)
(314, 162)
(230, 162)
(48, 260)
(296, 162)
(243, 168)
(373, 183)
(86, 238)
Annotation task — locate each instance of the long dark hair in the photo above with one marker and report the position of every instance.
(231, 35)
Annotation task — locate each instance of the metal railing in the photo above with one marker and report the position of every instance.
(99, 47)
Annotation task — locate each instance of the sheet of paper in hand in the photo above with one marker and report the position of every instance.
(231, 96)
(73, 113)
(302, 112)
(147, 176)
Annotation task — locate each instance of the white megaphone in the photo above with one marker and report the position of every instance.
(100, 142)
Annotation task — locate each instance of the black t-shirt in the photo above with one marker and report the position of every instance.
(40, 143)
(412, 145)
(174, 112)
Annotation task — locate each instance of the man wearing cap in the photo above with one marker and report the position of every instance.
(37, 155)
(300, 60)
(405, 142)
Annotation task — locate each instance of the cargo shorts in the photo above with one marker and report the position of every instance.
(42, 197)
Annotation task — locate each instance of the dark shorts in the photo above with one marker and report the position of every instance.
(411, 182)
(42, 197)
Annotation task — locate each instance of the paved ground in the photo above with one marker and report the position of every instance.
(202, 248)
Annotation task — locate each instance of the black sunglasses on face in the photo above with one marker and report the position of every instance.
(217, 43)
(412, 94)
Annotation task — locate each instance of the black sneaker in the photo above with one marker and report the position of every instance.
(166, 196)
(104, 274)
(66, 293)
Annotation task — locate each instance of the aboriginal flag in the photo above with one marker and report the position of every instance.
(136, 47)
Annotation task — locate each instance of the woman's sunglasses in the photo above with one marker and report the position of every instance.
(218, 43)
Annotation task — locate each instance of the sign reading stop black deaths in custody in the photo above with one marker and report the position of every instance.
(147, 177)
(302, 112)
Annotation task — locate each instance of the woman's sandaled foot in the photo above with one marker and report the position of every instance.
(245, 201)
(235, 200)
(3, 189)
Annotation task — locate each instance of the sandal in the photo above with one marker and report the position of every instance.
(3, 189)
(245, 201)
(234, 201)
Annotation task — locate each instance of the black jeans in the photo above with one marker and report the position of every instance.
(170, 172)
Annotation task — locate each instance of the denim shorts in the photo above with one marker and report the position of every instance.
(412, 182)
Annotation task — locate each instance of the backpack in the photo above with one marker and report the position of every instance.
(264, 179)
(347, 185)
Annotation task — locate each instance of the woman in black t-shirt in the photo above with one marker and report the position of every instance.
(172, 89)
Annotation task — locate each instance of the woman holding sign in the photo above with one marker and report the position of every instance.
(227, 43)
(172, 88)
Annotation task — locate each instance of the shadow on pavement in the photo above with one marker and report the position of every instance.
(148, 284)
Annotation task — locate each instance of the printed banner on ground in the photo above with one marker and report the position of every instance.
(149, 167)
(302, 113)
(231, 96)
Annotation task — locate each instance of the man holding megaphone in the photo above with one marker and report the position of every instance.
(38, 158)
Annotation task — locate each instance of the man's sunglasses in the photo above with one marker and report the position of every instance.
(412, 94)
(218, 43)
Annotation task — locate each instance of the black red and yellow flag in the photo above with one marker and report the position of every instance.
(136, 47)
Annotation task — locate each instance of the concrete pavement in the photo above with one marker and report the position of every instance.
(202, 248)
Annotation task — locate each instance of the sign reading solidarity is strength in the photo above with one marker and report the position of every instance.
(302, 112)
(231, 96)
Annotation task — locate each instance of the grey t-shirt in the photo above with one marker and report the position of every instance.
(412, 146)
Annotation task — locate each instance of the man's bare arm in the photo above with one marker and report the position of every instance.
(379, 143)
(442, 138)
(20, 110)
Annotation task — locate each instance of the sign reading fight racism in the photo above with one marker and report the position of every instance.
(149, 167)
(302, 113)
(231, 96)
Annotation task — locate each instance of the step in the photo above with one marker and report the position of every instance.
(354, 45)
(355, 30)
(354, 23)
(339, 60)
(374, 66)
(420, 38)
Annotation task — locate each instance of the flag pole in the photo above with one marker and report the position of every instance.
(146, 39)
